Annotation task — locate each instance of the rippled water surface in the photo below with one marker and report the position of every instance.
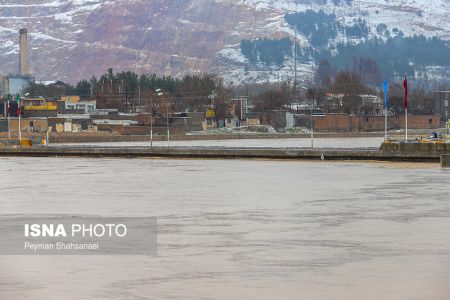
(240, 229)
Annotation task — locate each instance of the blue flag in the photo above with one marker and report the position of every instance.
(385, 88)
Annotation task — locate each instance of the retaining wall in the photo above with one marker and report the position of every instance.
(430, 149)
(228, 153)
(445, 161)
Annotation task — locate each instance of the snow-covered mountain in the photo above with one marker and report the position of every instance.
(73, 39)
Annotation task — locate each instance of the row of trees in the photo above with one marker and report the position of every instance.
(397, 55)
(366, 69)
(268, 51)
(321, 27)
(193, 90)
(127, 91)
(391, 53)
(351, 86)
(393, 57)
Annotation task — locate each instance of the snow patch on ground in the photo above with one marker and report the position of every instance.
(233, 55)
(411, 17)
(38, 35)
(233, 67)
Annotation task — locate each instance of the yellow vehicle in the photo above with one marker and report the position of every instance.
(448, 130)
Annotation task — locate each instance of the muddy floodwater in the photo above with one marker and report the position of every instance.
(239, 229)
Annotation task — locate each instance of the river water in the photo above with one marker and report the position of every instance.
(239, 229)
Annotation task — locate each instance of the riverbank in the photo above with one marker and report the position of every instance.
(389, 152)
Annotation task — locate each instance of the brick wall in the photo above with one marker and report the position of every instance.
(337, 122)
(36, 125)
(398, 122)
(341, 122)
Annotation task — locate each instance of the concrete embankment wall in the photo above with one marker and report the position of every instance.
(388, 152)
(439, 151)
(226, 153)
(431, 149)
(445, 161)
(193, 152)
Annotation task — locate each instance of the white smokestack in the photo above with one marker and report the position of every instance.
(23, 41)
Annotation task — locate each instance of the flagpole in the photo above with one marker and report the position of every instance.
(312, 128)
(18, 109)
(9, 125)
(385, 89)
(20, 129)
(9, 130)
(406, 121)
(385, 124)
(405, 86)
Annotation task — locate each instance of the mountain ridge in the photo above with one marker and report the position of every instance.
(75, 39)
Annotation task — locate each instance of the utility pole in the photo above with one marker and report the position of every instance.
(295, 62)
(112, 96)
(20, 129)
(9, 112)
(151, 122)
(127, 105)
(139, 97)
(168, 126)
(158, 93)
(312, 124)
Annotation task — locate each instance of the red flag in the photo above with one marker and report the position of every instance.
(405, 86)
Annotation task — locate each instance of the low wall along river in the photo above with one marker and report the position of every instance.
(388, 151)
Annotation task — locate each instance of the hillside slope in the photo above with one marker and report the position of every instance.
(72, 39)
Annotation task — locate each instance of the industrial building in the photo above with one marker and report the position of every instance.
(17, 83)
(14, 84)
(441, 102)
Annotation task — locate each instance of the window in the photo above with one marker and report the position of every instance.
(430, 121)
(446, 103)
